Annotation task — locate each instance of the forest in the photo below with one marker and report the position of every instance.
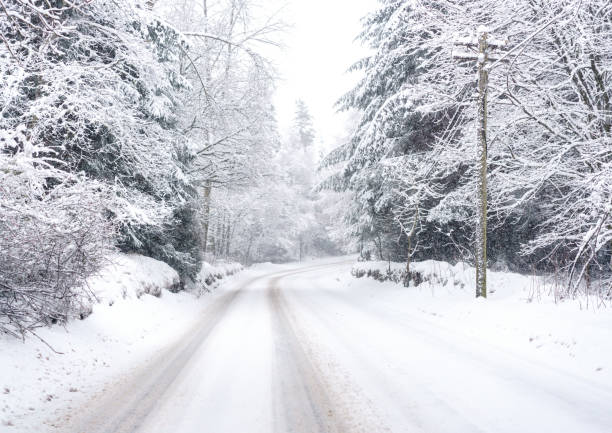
(413, 168)
(149, 127)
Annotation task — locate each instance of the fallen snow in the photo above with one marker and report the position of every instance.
(129, 276)
(433, 358)
(521, 312)
(427, 358)
(136, 317)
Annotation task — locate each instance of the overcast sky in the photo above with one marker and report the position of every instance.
(319, 48)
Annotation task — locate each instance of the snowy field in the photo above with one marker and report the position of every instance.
(309, 347)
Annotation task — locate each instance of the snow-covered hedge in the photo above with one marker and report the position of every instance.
(432, 271)
(460, 278)
(130, 276)
(209, 275)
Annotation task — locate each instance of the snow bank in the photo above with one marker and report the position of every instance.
(438, 274)
(135, 318)
(129, 276)
(522, 313)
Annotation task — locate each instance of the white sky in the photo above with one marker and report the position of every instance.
(319, 48)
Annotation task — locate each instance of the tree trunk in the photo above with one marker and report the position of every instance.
(228, 237)
(379, 247)
(300, 242)
(407, 278)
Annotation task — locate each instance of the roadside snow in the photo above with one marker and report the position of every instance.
(427, 358)
(432, 358)
(129, 276)
(135, 318)
(521, 313)
(210, 276)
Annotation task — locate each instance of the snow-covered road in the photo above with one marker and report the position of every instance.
(295, 351)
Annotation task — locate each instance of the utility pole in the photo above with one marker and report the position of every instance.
(206, 196)
(479, 49)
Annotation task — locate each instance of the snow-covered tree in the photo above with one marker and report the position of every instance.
(399, 123)
(90, 152)
(280, 218)
(303, 128)
(412, 157)
(227, 116)
(556, 160)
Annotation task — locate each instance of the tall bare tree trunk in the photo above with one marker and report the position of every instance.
(228, 235)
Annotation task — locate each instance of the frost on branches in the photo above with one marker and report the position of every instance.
(89, 153)
(119, 130)
(411, 164)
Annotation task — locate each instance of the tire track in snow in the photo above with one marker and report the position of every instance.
(302, 404)
(311, 397)
(124, 406)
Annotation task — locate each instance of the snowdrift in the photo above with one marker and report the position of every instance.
(135, 317)
(131, 276)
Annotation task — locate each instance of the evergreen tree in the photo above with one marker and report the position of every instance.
(102, 99)
(397, 127)
(303, 126)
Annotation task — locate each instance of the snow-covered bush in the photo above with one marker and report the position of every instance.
(210, 275)
(394, 274)
(428, 271)
(53, 235)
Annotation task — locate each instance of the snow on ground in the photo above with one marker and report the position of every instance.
(521, 312)
(129, 276)
(429, 358)
(135, 318)
(434, 359)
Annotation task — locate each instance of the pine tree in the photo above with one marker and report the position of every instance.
(102, 100)
(303, 126)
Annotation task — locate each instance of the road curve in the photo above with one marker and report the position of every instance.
(293, 352)
(247, 338)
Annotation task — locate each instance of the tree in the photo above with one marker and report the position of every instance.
(90, 155)
(557, 161)
(399, 126)
(303, 127)
(413, 152)
(228, 116)
(279, 218)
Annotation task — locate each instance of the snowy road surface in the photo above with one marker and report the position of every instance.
(295, 351)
